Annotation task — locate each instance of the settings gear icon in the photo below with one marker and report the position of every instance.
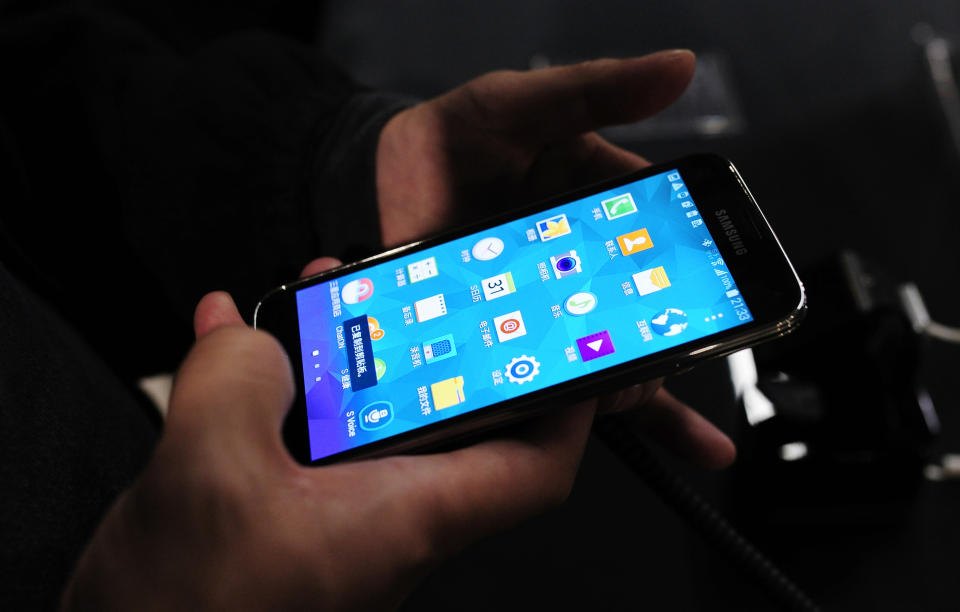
(522, 369)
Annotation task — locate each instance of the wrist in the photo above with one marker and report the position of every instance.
(103, 578)
(137, 560)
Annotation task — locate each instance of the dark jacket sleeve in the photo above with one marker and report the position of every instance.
(152, 177)
(133, 179)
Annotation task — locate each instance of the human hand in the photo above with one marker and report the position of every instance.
(223, 518)
(509, 138)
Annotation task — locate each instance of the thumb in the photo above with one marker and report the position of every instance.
(215, 310)
(236, 385)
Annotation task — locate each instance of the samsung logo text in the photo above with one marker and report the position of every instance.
(731, 232)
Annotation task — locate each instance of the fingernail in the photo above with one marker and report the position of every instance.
(671, 53)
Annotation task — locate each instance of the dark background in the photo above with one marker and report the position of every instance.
(829, 112)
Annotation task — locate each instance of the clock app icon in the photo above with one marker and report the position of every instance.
(487, 248)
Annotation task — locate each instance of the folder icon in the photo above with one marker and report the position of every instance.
(447, 393)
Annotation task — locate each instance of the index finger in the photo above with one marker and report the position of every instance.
(554, 104)
(321, 264)
(470, 492)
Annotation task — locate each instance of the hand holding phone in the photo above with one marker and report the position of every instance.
(213, 468)
(221, 461)
(574, 297)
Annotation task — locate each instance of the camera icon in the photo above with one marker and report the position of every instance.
(565, 264)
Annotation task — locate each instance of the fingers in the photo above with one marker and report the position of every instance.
(554, 104)
(441, 502)
(578, 162)
(605, 160)
(215, 310)
(235, 384)
(321, 264)
(684, 431)
(630, 398)
(492, 485)
(234, 380)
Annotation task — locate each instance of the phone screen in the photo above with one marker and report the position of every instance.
(513, 309)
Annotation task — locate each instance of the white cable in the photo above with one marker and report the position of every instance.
(943, 332)
(916, 312)
(744, 377)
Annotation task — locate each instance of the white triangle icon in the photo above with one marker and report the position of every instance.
(595, 345)
(677, 186)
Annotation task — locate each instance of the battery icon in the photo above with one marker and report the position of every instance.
(732, 293)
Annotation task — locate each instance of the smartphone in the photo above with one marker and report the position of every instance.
(580, 295)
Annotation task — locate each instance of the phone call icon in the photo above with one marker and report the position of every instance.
(619, 206)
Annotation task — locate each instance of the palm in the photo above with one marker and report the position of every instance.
(509, 138)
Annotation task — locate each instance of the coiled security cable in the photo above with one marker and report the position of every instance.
(701, 515)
